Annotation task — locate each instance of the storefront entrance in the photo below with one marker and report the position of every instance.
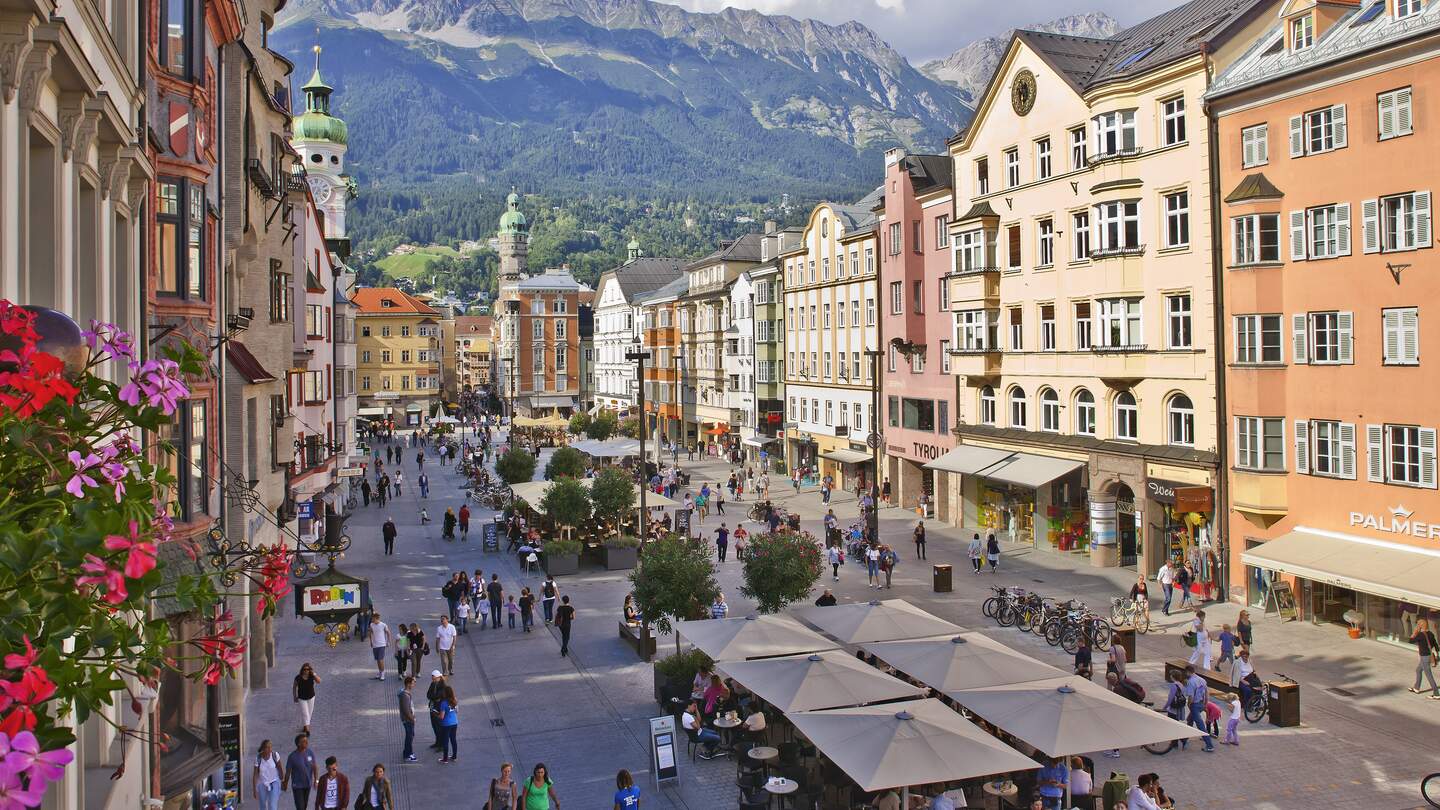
(1125, 526)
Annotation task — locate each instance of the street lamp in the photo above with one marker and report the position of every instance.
(874, 440)
(639, 356)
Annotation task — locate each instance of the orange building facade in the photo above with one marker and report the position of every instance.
(1328, 141)
(664, 406)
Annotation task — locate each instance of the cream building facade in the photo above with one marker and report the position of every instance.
(1083, 292)
(704, 317)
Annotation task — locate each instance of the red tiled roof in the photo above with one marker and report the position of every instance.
(245, 363)
(370, 301)
(472, 323)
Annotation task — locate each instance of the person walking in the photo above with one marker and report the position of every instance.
(365, 490)
(379, 643)
(406, 699)
(547, 598)
(447, 525)
(1183, 578)
(424, 482)
(448, 715)
(434, 693)
(833, 553)
(538, 791)
(303, 692)
(332, 791)
(872, 565)
(976, 551)
(722, 541)
(399, 481)
(527, 609)
(888, 560)
(627, 795)
(1424, 641)
(462, 612)
(301, 771)
(919, 539)
(719, 501)
(1245, 630)
(502, 794)
(388, 533)
(512, 610)
(382, 490)
(992, 551)
(1232, 725)
(1166, 577)
(496, 593)
(1197, 693)
(464, 522)
(419, 648)
(375, 793)
(453, 591)
(1201, 653)
(565, 619)
(265, 781)
(445, 643)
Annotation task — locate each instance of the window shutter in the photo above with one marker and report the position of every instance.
(1427, 457)
(1347, 450)
(1385, 110)
(1302, 446)
(1390, 321)
(1342, 216)
(1410, 336)
(1239, 428)
(1370, 217)
(1337, 125)
(1235, 338)
(1297, 236)
(1375, 451)
(1345, 321)
(1247, 147)
(1299, 323)
(1422, 219)
(1262, 144)
(1297, 136)
(1402, 112)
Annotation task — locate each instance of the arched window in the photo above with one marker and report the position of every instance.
(987, 405)
(1085, 413)
(1127, 417)
(1050, 411)
(1181, 416)
(1019, 408)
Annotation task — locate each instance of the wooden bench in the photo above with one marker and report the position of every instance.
(638, 636)
(1216, 680)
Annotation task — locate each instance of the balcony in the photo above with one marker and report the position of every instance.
(980, 363)
(975, 288)
(1262, 497)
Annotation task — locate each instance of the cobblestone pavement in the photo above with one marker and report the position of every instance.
(1363, 742)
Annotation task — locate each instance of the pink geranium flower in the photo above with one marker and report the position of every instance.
(98, 572)
(14, 795)
(24, 755)
(159, 383)
(140, 559)
(77, 483)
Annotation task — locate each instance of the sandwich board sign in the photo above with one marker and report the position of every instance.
(662, 749)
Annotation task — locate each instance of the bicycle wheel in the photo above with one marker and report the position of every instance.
(1117, 614)
(1100, 634)
(1070, 639)
(1053, 630)
(1005, 615)
(1038, 628)
(1025, 618)
(1430, 789)
(1142, 621)
(1160, 749)
(1257, 707)
(987, 609)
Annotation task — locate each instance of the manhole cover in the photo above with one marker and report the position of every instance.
(497, 722)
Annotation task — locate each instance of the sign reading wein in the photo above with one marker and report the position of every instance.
(1398, 521)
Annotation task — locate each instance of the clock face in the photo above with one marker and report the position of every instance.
(320, 187)
(1022, 92)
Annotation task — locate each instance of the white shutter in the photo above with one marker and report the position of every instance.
(1235, 338)
(1347, 450)
(1342, 218)
(1422, 219)
(1299, 324)
(1370, 216)
(1427, 457)
(1247, 147)
(1390, 322)
(1297, 136)
(1262, 143)
(1385, 110)
(1410, 336)
(1337, 125)
(1402, 112)
(1345, 325)
(1239, 428)
(1302, 446)
(1375, 450)
(1297, 236)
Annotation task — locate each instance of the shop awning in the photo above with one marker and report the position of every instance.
(847, 456)
(967, 459)
(414, 406)
(758, 441)
(371, 412)
(1376, 567)
(1029, 470)
(551, 401)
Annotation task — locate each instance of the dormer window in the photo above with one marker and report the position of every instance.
(387, 303)
(1302, 32)
(1406, 8)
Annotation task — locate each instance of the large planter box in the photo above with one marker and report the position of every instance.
(559, 565)
(664, 690)
(619, 559)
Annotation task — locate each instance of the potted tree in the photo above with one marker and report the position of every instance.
(621, 551)
(579, 423)
(568, 505)
(603, 426)
(675, 576)
(613, 495)
(781, 568)
(567, 462)
(516, 467)
(562, 557)
(675, 673)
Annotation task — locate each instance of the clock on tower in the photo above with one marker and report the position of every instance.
(321, 188)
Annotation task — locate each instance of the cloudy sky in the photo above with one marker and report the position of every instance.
(927, 29)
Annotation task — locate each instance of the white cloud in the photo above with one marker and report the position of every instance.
(928, 29)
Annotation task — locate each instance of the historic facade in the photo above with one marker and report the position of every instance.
(618, 327)
(762, 438)
(472, 352)
(704, 317)
(666, 411)
(399, 365)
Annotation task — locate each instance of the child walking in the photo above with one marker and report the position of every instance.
(511, 611)
(1232, 726)
(462, 613)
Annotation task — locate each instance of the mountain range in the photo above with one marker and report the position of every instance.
(969, 68)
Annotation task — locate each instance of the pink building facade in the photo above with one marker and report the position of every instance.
(917, 389)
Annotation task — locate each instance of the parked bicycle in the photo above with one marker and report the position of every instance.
(1430, 789)
(1125, 611)
(1259, 703)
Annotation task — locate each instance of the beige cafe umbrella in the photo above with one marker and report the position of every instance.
(763, 636)
(876, 621)
(914, 742)
(966, 661)
(798, 683)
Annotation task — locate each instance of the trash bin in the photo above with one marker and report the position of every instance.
(1125, 637)
(1284, 703)
(942, 578)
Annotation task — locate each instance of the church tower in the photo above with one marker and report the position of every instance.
(321, 140)
(514, 242)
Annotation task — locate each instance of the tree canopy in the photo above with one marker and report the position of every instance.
(613, 494)
(516, 466)
(781, 568)
(567, 462)
(675, 581)
(566, 502)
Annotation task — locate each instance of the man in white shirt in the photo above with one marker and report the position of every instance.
(1166, 577)
(1138, 798)
(445, 640)
(690, 721)
(379, 643)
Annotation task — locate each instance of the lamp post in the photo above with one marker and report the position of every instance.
(874, 440)
(639, 356)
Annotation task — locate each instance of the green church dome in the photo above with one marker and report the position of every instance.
(512, 221)
(316, 123)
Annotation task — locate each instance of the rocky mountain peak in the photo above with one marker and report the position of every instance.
(970, 67)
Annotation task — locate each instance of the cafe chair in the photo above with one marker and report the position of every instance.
(750, 781)
(692, 747)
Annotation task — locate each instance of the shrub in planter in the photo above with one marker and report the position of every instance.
(622, 541)
(621, 552)
(567, 462)
(562, 556)
(675, 581)
(674, 673)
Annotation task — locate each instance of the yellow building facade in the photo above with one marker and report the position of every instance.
(399, 356)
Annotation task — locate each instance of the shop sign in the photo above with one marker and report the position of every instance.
(1397, 522)
(1194, 499)
(929, 452)
(1103, 529)
(1161, 491)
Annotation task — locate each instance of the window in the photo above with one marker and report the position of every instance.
(855, 366)
(1079, 236)
(537, 330)
(1047, 242)
(1012, 168)
(825, 268)
(1115, 133)
(1172, 116)
(1318, 131)
(180, 238)
(855, 312)
(917, 363)
(1177, 219)
(1083, 327)
(281, 292)
(405, 356)
(1049, 411)
(1017, 329)
(917, 414)
(560, 304)
(405, 331)
(1120, 323)
(1078, 145)
(812, 316)
(942, 232)
(314, 386)
(1401, 222)
(826, 316)
(365, 357)
(315, 321)
(1042, 158)
(982, 177)
(943, 284)
(897, 298)
(794, 410)
(364, 331)
(1406, 8)
(176, 46)
(1259, 443)
(1324, 447)
(895, 239)
(1256, 239)
(1178, 321)
(945, 357)
(364, 383)
(1402, 336)
(854, 262)
(1180, 413)
(869, 260)
(1118, 227)
(971, 247)
(1255, 146)
(1047, 327)
(844, 413)
(385, 356)
(1409, 455)
(561, 357)
(828, 368)
(869, 311)
(892, 359)
(824, 228)
(917, 237)
(1302, 32)
(1012, 238)
(1127, 417)
(987, 405)
(1085, 413)
(829, 413)
(1018, 408)
(978, 330)
(1331, 336)
(1257, 339)
(188, 436)
(1324, 232)
(892, 407)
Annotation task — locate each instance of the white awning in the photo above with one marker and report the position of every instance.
(414, 406)
(967, 459)
(1391, 570)
(847, 456)
(758, 441)
(371, 412)
(1030, 470)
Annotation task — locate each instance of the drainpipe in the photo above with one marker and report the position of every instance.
(1217, 293)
